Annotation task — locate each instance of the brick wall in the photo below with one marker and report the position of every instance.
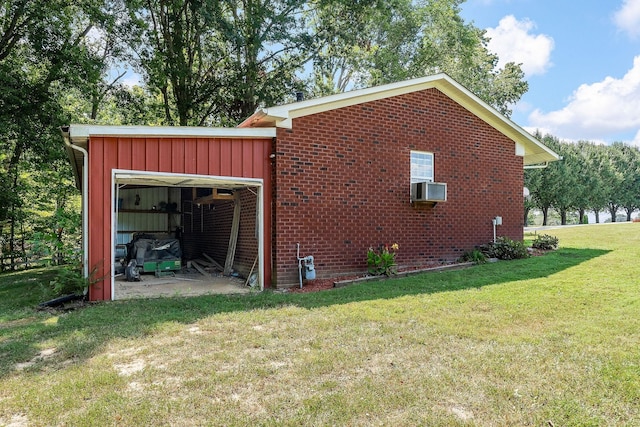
(343, 185)
(207, 228)
(247, 247)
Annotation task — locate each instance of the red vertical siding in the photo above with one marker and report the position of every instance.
(236, 158)
(190, 156)
(171, 155)
(225, 152)
(97, 222)
(152, 154)
(178, 159)
(125, 154)
(139, 157)
(165, 153)
(202, 156)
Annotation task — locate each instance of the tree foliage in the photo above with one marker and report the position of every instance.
(44, 48)
(385, 42)
(213, 63)
(590, 177)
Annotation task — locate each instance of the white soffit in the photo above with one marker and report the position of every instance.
(81, 133)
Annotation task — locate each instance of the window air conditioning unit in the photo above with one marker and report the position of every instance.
(428, 192)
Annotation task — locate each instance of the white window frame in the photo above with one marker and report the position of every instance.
(419, 160)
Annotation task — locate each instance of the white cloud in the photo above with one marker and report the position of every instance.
(513, 41)
(597, 110)
(627, 18)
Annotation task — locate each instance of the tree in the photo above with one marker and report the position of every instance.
(43, 48)
(530, 182)
(541, 182)
(354, 36)
(578, 178)
(402, 39)
(215, 62)
(596, 168)
(613, 180)
(626, 185)
(560, 185)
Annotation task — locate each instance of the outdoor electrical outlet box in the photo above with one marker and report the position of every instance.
(498, 220)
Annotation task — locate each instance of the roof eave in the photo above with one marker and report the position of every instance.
(82, 133)
(533, 151)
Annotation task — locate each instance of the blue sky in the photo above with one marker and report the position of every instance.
(581, 59)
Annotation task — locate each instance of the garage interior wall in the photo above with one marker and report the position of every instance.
(148, 215)
(207, 228)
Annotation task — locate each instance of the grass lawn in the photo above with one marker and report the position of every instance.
(551, 340)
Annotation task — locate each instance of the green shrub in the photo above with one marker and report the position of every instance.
(475, 256)
(383, 260)
(69, 280)
(505, 248)
(545, 242)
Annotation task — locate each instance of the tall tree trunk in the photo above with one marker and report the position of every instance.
(563, 217)
(581, 216)
(613, 210)
(12, 235)
(12, 171)
(60, 254)
(629, 213)
(25, 256)
(1, 248)
(167, 109)
(597, 214)
(545, 212)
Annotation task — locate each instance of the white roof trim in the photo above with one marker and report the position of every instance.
(81, 133)
(168, 179)
(530, 148)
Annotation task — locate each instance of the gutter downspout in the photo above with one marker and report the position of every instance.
(85, 201)
(537, 166)
(541, 165)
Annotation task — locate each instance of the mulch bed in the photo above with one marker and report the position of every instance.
(333, 282)
(319, 284)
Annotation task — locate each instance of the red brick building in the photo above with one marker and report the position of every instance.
(333, 175)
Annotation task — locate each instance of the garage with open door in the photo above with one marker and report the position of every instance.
(177, 234)
(173, 211)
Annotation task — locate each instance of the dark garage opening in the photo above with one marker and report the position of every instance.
(215, 225)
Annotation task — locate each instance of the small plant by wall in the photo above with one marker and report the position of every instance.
(475, 255)
(504, 248)
(70, 280)
(382, 261)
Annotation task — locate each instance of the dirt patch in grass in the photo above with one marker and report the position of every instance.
(40, 357)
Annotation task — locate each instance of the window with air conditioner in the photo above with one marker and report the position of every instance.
(423, 187)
